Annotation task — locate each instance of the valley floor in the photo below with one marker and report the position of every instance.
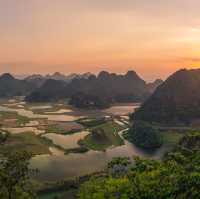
(57, 133)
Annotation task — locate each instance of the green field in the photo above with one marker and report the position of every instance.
(81, 149)
(61, 130)
(171, 138)
(26, 141)
(107, 136)
(20, 120)
(55, 129)
(91, 122)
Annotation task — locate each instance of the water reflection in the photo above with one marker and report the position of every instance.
(40, 107)
(58, 166)
(67, 141)
(74, 165)
(122, 109)
(59, 111)
(32, 115)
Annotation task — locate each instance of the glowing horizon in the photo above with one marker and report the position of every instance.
(153, 38)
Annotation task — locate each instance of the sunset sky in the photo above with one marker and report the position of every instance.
(152, 37)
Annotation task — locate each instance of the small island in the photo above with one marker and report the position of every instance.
(145, 135)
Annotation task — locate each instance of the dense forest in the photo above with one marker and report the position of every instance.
(175, 102)
(176, 176)
(82, 100)
(144, 135)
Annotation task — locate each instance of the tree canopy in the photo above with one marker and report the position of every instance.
(15, 177)
(145, 135)
(177, 176)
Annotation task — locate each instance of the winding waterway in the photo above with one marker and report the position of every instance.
(58, 166)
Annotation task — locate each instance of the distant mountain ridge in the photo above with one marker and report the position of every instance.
(91, 89)
(153, 85)
(105, 86)
(39, 80)
(10, 86)
(176, 101)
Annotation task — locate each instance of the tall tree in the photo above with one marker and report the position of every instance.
(15, 177)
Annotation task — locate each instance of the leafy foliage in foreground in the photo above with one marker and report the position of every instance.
(14, 177)
(177, 176)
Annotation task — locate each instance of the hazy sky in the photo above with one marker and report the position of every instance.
(153, 37)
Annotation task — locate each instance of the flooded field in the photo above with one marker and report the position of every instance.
(24, 129)
(67, 141)
(71, 165)
(123, 109)
(60, 118)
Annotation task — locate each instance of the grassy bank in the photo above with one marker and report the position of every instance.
(81, 149)
(26, 141)
(91, 122)
(57, 129)
(67, 189)
(12, 119)
(171, 138)
(106, 136)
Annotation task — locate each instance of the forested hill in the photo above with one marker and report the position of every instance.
(106, 86)
(9, 86)
(176, 101)
(176, 176)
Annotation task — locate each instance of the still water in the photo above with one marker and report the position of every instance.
(66, 141)
(32, 115)
(122, 109)
(24, 129)
(58, 166)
